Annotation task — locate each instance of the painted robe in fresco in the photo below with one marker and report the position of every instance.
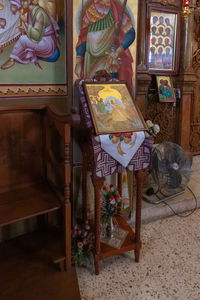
(97, 36)
(40, 40)
(10, 22)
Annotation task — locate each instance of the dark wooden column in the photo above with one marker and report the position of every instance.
(139, 175)
(141, 58)
(98, 183)
(143, 83)
(186, 81)
(143, 78)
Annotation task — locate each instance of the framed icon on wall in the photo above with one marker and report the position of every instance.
(165, 89)
(163, 41)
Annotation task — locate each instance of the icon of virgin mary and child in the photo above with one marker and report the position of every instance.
(165, 91)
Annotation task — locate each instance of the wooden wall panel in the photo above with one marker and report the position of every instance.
(20, 148)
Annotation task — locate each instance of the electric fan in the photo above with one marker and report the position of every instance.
(170, 173)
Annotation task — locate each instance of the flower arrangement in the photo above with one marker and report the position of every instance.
(153, 129)
(82, 244)
(110, 201)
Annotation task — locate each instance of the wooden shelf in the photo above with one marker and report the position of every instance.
(27, 202)
(128, 244)
(35, 168)
(47, 242)
(28, 272)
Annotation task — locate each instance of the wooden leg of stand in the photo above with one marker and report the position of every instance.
(119, 183)
(68, 235)
(97, 189)
(67, 193)
(84, 184)
(140, 175)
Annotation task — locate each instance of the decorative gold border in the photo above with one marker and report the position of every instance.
(24, 90)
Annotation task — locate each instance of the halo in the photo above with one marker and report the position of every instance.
(155, 37)
(160, 46)
(160, 80)
(167, 38)
(156, 32)
(160, 37)
(168, 28)
(161, 26)
(154, 25)
(153, 48)
(155, 16)
(170, 50)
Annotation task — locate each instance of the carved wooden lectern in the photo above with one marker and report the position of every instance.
(102, 164)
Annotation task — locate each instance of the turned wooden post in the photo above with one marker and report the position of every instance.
(84, 181)
(67, 204)
(186, 81)
(119, 183)
(142, 37)
(97, 183)
(119, 186)
(186, 45)
(139, 175)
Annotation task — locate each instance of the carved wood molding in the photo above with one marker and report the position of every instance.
(143, 83)
(196, 59)
(175, 3)
(187, 82)
(195, 111)
(163, 114)
(195, 137)
(196, 31)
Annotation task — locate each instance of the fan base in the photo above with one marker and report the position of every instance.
(158, 198)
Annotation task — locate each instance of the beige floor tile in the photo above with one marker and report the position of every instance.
(169, 267)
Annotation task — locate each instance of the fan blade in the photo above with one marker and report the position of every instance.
(171, 167)
(175, 179)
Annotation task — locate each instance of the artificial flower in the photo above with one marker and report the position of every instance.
(82, 244)
(87, 227)
(156, 128)
(149, 123)
(153, 129)
(110, 201)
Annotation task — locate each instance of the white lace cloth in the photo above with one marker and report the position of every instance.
(10, 31)
(120, 147)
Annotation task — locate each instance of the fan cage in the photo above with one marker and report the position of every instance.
(170, 172)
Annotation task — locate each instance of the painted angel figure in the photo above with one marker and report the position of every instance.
(96, 48)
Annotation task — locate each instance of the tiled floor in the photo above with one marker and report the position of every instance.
(180, 204)
(169, 266)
